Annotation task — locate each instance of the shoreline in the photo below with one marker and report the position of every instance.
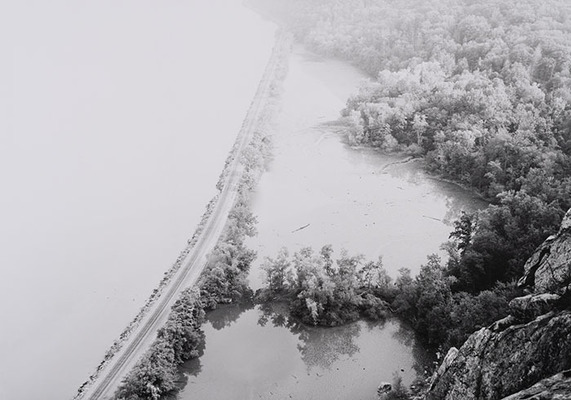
(406, 158)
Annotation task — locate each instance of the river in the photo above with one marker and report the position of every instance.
(353, 198)
(121, 117)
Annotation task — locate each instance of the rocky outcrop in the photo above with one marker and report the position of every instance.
(549, 268)
(525, 353)
(527, 308)
(492, 365)
(556, 387)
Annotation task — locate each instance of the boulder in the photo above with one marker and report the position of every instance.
(503, 324)
(549, 268)
(527, 308)
(446, 363)
(492, 365)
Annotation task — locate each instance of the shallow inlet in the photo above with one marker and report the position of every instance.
(356, 199)
(257, 353)
(320, 191)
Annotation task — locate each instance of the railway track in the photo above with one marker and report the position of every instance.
(140, 339)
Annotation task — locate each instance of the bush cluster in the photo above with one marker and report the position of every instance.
(324, 291)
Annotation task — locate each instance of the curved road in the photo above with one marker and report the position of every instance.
(144, 334)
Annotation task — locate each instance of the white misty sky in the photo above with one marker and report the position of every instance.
(115, 121)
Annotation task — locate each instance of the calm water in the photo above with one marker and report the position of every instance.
(121, 116)
(355, 199)
(270, 357)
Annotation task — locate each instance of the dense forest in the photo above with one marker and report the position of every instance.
(480, 90)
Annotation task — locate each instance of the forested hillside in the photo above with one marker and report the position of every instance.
(481, 91)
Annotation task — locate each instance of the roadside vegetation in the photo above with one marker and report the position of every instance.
(179, 340)
(223, 281)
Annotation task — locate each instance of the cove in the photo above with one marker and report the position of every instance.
(318, 190)
(270, 356)
(356, 199)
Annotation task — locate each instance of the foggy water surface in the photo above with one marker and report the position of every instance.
(356, 199)
(122, 114)
(259, 353)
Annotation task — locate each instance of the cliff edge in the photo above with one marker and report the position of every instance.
(527, 354)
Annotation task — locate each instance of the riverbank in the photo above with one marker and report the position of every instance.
(404, 157)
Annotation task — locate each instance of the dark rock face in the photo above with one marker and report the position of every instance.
(529, 307)
(523, 355)
(492, 365)
(549, 268)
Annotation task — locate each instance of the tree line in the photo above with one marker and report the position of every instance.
(322, 289)
(481, 91)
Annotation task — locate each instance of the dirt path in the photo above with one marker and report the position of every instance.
(110, 376)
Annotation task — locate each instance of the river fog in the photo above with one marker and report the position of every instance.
(120, 117)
